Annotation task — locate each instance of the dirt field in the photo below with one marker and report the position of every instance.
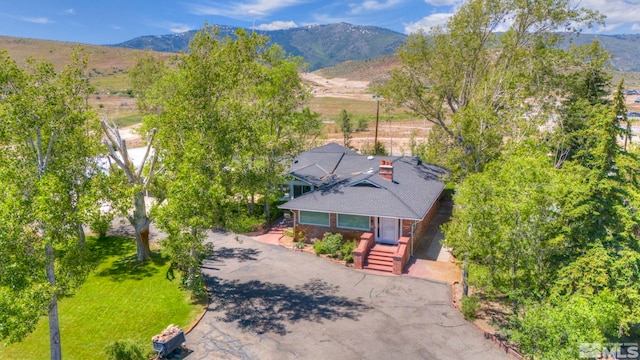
(337, 87)
(112, 107)
(331, 95)
(393, 134)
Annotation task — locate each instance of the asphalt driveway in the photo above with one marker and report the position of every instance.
(272, 303)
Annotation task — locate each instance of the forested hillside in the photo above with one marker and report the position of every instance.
(319, 45)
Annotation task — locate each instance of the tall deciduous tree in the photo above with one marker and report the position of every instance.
(229, 115)
(48, 139)
(346, 127)
(553, 239)
(506, 219)
(148, 69)
(596, 293)
(136, 180)
(451, 74)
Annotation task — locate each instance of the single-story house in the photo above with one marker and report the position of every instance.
(384, 201)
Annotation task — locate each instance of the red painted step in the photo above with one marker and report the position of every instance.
(384, 248)
(380, 258)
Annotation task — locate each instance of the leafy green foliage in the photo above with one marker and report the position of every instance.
(561, 241)
(299, 236)
(346, 251)
(554, 331)
(368, 149)
(331, 244)
(145, 72)
(470, 306)
(504, 219)
(546, 208)
(363, 124)
(126, 350)
(346, 128)
(318, 247)
(334, 246)
(49, 140)
(244, 223)
(101, 223)
(478, 88)
(227, 116)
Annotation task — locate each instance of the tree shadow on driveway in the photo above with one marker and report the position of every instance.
(262, 307)
(238, 254)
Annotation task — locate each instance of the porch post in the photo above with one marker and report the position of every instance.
(294, 225)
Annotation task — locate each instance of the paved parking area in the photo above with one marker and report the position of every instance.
(269, 302)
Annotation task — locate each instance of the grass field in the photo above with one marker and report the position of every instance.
(330, 107)
(120, 300)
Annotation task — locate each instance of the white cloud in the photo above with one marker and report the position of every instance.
(252, 7)
(70, 12)
(373, 5)
(618, 12)
(442, 2)
(36, 20)
(179, 28)
(427, 22)
(277, 25)
(602, 29)
(620, 15)
(116, 27)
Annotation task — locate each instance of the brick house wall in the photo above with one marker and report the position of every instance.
(317, 232)
(422, 226)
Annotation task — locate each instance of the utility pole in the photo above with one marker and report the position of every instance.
(375, 141)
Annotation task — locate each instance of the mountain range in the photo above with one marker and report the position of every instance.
(319, 45)
(323, 46)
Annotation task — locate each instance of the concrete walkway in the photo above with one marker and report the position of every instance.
(269, 302)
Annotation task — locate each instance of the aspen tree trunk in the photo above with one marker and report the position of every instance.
(54, 323)
(141, 223)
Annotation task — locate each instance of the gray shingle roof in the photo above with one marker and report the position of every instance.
(349, 184)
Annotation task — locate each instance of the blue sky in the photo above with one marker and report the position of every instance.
(115, 21)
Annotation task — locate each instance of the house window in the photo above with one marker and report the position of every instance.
(298, 190)
(353, 222)
(314, 218)
(284, 190)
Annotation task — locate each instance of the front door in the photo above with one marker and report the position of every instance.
(387, 231)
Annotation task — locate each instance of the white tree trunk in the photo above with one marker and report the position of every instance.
(141, 222)
(54, 323)
(118, 152)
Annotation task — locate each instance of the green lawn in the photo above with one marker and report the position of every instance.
(129, 120)
(118, 301)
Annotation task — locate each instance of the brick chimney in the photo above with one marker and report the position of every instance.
(386, 170)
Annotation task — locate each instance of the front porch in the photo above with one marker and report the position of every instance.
(382, 257)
